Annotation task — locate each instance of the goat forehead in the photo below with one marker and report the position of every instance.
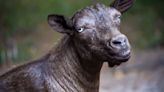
(106, 18)
(95, 15)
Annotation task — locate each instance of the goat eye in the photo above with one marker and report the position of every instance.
(119, 17)
(80, 30)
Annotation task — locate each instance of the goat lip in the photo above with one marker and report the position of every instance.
(120, 57)
(123, 57)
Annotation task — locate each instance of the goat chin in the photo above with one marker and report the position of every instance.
(114, 63)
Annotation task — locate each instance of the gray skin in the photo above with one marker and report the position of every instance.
(91, 37)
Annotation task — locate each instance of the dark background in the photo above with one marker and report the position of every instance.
(25, 36)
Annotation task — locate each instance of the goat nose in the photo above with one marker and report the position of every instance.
(119, 41)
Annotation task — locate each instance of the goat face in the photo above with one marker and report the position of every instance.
(97, 27)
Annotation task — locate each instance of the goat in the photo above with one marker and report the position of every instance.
(91, 37)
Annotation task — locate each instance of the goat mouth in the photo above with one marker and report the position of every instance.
(119, 58)
(122, 55)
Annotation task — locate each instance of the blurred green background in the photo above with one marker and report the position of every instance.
(25, 34)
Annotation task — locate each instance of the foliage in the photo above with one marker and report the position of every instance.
(149, 23)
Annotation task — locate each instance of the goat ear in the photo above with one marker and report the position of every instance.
(122, 5)
(60, 23)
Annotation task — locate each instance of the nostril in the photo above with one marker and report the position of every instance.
(116, 42)
(119, 41)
